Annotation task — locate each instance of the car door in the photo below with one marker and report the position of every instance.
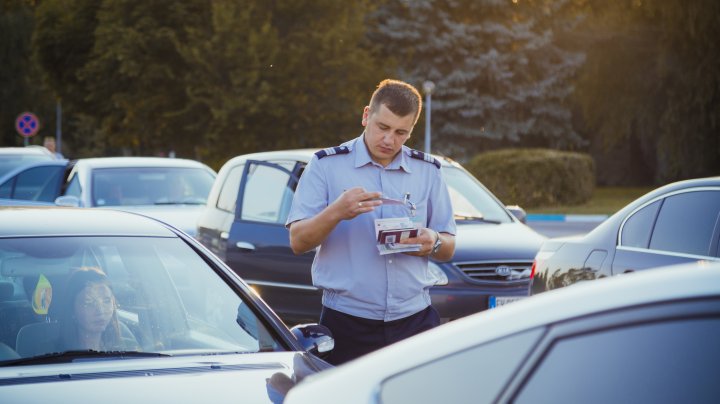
(680, 227)
(40, 182)
(258, 245)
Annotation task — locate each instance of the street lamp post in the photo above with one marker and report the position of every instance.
(428, 87)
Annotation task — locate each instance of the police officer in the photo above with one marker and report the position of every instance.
(372, 300)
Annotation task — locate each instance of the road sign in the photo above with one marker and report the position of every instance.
(27, 124)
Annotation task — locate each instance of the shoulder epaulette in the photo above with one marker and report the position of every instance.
(417, 154)
(330, 151)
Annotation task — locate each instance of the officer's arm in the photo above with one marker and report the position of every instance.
(309, 233)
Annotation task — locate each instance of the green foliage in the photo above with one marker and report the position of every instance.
(652, 78)
(536, 177)
(22, 86)
(208, 79)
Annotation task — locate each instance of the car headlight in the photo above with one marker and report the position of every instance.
(437, 274)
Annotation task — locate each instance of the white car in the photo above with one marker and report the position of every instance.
(649, 337)
(13, 157)
(98, 305)
(169, 189)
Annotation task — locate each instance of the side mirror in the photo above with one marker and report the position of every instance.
(518, 212)
(68, 200)
(314, 338)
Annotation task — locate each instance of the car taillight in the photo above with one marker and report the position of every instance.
(532, 270)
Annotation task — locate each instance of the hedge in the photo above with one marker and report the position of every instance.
(536, 177)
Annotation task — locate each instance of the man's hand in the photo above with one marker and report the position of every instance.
(356, 201)
(426, 238)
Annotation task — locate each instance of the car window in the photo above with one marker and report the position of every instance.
(229, 191)
(454, 378)
(469, 198)
(267, 195)
(74, 188)
(34, 184)
(627, 365)
(636, 230)
(686, 223)
(167, 299)
(134, 186)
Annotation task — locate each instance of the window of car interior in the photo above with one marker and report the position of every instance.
(454, 378)
(229, 191)
(686, 223)
(669, 361)
(637, 228)
(267, 194)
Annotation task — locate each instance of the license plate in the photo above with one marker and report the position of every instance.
(497, 301)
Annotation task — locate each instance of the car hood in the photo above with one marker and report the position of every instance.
(487, 241)
(250, 378)
(183, 217)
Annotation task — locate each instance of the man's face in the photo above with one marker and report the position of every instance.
(385, 133)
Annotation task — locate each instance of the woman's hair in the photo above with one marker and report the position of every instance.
(78, 280)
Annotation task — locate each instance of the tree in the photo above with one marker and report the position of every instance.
(22, 89)
(279, 74)
(499, 74)
(649, 91)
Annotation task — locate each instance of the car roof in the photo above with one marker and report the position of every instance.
(32, 221)
(29, 150)
(304, 155)
(598, 296)
(117, 162)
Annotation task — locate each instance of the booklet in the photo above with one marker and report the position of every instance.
(389, 232)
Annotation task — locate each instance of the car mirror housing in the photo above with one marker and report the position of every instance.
(518, 212)
(68, 200)
(315, 338)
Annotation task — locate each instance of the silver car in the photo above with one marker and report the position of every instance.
(172, 190)
(98, 305)
(646, 337)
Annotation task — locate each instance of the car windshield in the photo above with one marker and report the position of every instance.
(471, 200)
(112, 295)
(150, 186)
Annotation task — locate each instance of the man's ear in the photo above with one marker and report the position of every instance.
(365, 115)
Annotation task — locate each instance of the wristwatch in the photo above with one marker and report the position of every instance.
(437, 245)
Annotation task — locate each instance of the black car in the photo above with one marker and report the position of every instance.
(244, 224)
(95, 301)
(676, 223)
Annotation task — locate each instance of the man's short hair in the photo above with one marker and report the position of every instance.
(401, 98)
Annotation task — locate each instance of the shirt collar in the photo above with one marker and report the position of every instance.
(362, 156)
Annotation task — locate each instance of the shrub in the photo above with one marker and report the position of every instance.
(536, 177)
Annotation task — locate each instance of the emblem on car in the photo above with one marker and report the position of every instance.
(503, 270)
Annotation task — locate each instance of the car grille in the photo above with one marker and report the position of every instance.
(496, 271)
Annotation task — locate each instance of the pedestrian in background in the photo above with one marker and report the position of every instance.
(49, 143)
(372, 300)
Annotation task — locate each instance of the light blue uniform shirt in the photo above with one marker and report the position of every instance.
(354, 277)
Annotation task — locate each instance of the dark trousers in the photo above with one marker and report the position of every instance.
(356, 336)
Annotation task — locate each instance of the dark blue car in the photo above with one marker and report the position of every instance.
(244, 219)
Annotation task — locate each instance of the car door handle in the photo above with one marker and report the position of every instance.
(244, 245)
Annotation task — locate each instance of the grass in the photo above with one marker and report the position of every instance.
(605, 201)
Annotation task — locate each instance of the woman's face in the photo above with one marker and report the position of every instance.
(94, 307)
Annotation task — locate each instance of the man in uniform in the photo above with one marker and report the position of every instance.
(372, 300)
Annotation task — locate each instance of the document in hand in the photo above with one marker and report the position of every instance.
(393, 230)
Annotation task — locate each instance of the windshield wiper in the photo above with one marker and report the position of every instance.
(69, 356)
(188, 202)
(480, 218)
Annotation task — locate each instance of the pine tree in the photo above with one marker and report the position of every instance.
(498, 73)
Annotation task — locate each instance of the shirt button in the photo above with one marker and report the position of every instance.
(390, 261)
